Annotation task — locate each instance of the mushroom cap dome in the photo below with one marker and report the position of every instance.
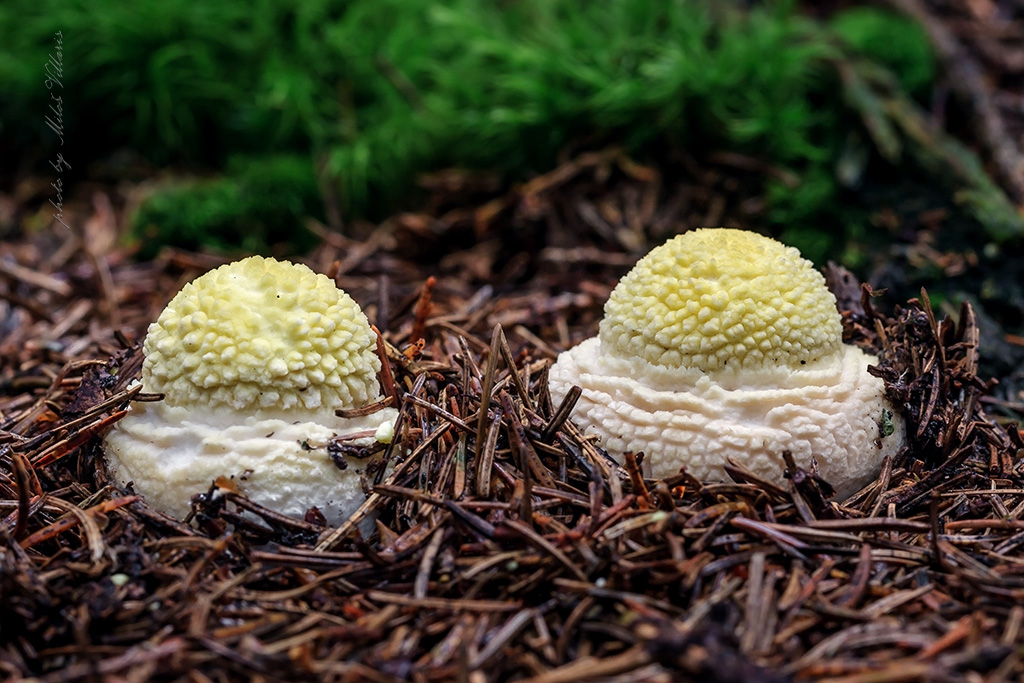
(262, 333)
(718, 300)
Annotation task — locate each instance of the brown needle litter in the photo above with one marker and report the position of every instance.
(499, 542)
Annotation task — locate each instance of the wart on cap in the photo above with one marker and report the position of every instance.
(723, 344)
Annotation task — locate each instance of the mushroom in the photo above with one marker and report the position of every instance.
(253, 359)
(725, 344)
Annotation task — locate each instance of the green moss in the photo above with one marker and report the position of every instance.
(891, 40)
(382, 90)
(256, 204)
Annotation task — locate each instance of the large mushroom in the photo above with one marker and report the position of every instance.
(724, 344)
(253, 359)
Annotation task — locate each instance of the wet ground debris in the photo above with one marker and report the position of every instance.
(507, 545)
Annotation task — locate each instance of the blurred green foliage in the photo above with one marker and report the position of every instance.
(377, 91)
(891, 40)
(256, 203)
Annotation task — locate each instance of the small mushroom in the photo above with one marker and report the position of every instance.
(724, 344)
(253, 359)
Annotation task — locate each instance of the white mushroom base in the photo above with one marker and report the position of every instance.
(832, 416)
(169, 453)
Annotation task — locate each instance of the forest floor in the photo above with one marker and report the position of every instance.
(507, 546)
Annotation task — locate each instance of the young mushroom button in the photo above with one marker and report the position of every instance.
(253, 359)
(723, 344)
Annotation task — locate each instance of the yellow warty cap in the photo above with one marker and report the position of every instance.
(716, 299)
(262, 333)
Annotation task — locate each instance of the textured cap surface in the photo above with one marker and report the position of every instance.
(262, 333)
(715, 299)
